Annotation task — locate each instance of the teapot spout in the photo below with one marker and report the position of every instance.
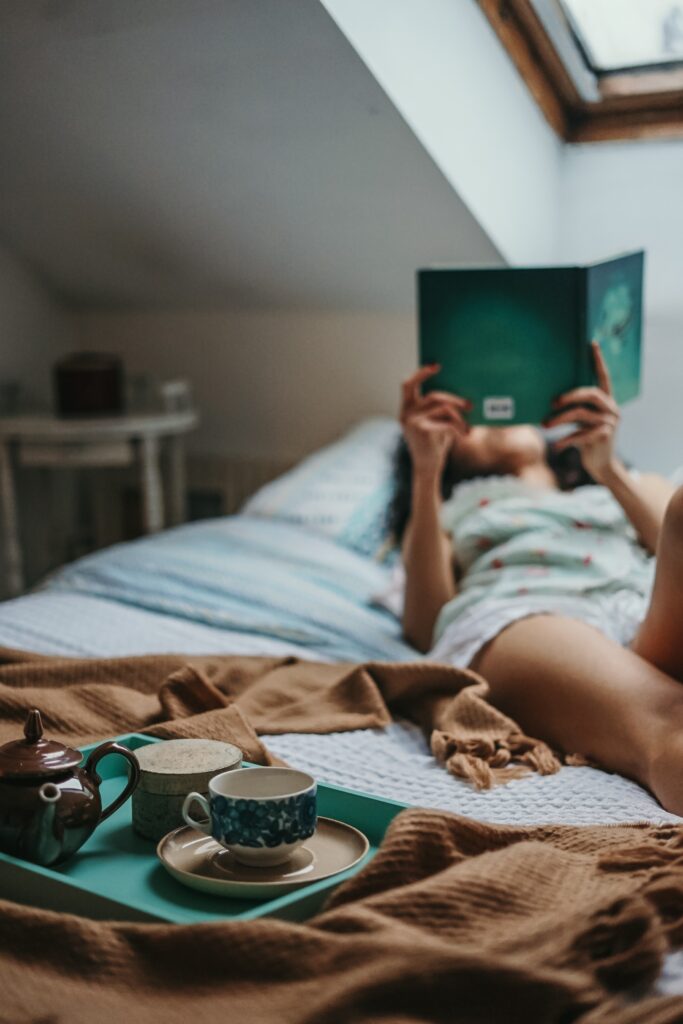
(49, 793)
(44, 838)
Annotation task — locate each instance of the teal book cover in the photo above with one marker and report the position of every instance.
(513, 339)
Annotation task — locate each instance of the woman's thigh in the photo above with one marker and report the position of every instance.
(565, 682)
(660, 637)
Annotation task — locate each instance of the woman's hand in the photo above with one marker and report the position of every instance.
(597, 415)
(431, 423)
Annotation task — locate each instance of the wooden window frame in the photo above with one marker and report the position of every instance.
(630, 105)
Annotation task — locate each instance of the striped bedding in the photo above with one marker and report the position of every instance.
(239, 576)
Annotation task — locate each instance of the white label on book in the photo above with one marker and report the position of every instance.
(499, 407)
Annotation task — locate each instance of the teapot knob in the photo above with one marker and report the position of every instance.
(33, 729)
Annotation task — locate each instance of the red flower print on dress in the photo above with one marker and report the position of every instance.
(497, 563)
(522, 590)
(483, 502)
(484, 543)
(581, 526)
(587, 560)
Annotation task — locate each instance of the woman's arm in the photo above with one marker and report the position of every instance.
(430, 581)
(431, 424)
(643, 498)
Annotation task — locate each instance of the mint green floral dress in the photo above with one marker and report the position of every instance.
(524, 550)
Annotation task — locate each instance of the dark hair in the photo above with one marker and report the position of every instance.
(565, 464)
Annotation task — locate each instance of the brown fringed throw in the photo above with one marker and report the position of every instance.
(237, 698)
(452, 921)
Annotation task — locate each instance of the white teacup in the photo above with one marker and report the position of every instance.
(260, 814)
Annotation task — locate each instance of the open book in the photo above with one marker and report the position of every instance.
(512, 339)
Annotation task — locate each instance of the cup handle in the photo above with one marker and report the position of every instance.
(203, 826)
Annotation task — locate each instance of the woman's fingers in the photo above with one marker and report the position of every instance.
(430, 425)
(439, 432)
(604, 380)
(600, 396)
(410, 388)
(587, 395)
(413, 401)
(445, 413)
(580, 438)
(581, 415)
(435, 403)
(439, 417)
(438, 397)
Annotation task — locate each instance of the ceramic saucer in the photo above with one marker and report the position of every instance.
(199, 862)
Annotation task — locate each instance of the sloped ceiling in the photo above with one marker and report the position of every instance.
(165, 153)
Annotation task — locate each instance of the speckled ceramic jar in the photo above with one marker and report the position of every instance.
(168, 772)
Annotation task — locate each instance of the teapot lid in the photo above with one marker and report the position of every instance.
(34, 756)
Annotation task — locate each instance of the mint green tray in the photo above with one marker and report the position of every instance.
(117, 875)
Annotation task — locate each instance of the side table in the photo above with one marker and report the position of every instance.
(45, 440)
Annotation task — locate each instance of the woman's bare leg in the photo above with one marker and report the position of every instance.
(660, 638)
(565, 682)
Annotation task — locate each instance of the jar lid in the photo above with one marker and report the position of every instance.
(34, 756)
(177, 766)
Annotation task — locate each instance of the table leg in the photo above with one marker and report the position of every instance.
(10, 522)
(177, 479)
(152, 491)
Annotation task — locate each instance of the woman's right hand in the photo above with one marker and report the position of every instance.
(431, 423)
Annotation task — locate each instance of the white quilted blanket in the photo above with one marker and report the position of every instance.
(396, 763)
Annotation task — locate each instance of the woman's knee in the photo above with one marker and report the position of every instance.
(663, 773)
(673, 516)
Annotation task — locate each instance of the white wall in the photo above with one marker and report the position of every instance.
(268, 383)
(444, 68)
(34, 329)
(213, 154)
(279, 382)
(623, 196)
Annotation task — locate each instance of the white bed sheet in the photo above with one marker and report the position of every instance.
(81, 626)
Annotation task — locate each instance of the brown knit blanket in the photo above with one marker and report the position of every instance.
(237, 698)
(452, 921)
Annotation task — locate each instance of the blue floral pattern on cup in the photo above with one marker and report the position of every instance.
(259, 823)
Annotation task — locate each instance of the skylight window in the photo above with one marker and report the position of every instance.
(616, 35)
(598, 69)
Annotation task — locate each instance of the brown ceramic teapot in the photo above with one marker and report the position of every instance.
(48, 804)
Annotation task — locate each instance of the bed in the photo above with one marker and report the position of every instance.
(297, 572)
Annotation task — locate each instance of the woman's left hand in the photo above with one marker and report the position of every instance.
(596, 414)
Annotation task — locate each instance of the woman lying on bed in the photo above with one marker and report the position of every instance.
(540, 577)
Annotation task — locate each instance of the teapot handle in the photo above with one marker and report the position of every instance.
(133, 776)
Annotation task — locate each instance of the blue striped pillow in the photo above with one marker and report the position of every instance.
(341, 491)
